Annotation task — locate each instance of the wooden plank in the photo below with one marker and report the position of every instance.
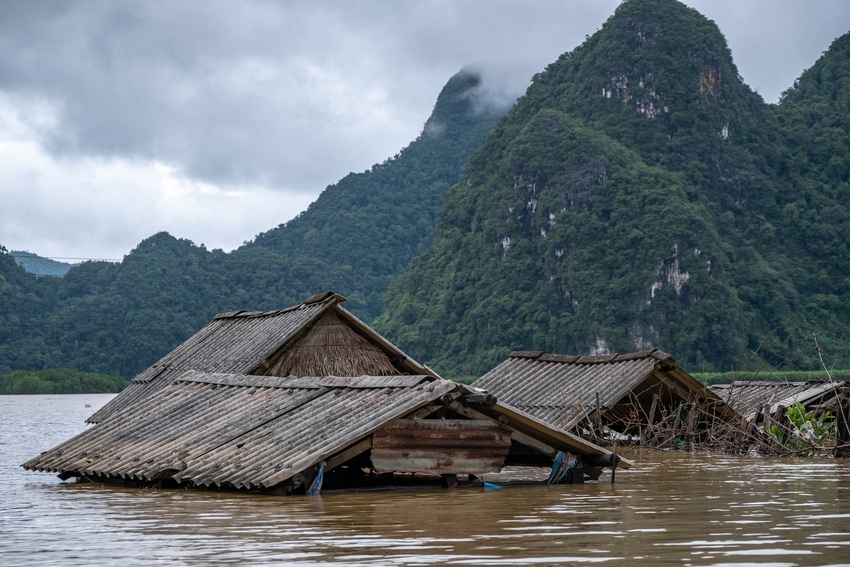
(425, 412)
(682, 392)
(488, 400)
(348, 454)
(529, 441)
(691, 383)
(450, 446)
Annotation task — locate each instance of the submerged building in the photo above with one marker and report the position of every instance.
(643, 396)
(765, 403)
(753, 398)
(305, 398)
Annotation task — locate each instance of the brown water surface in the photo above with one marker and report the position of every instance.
(671, 509)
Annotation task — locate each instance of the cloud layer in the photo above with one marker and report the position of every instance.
(218, 120)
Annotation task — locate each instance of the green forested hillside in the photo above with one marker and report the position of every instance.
(360, 233)
(59, 381)
(641, 195)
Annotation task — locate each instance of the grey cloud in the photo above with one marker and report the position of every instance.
(772, 42)
(280, 94)
(293, 95)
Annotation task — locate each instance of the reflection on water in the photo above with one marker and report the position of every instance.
(671, 509)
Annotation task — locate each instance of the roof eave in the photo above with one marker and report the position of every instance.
(517, 419)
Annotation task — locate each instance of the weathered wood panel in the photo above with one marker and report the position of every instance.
(451, 446)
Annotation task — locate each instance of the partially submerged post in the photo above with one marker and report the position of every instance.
(765, 412)
(843, 427)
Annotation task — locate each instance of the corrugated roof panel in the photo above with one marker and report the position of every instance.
(133, 393)
(563, 392)
(311, 432)
(227, 344)
(211, 432)
(237, 344)
(749, 397)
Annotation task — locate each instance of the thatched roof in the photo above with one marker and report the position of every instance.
(333, 348)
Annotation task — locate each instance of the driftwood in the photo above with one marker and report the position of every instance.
(697, 426)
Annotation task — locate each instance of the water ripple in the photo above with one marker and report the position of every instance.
(672, 509)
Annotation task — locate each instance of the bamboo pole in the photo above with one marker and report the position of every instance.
(599, 417)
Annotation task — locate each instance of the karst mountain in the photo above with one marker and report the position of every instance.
(641, 195)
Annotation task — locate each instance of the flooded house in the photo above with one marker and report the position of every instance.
(305, 399)
(765, 403)
(641, 398)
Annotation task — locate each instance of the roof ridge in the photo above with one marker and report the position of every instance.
(590, 359)
(313, 299)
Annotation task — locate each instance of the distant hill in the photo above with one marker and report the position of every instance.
(39, 266)
(641, 195)
(359, 234)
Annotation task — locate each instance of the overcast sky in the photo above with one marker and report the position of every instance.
(215, 120)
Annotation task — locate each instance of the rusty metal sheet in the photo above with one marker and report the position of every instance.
(450, 446)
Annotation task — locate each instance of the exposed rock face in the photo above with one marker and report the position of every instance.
(709, 83)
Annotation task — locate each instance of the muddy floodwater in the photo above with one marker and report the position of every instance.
(671, 509)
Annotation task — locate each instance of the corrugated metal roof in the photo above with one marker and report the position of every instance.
(237, 343)
(243, 431)
(749, 397)
(240, 342)
(562, 389)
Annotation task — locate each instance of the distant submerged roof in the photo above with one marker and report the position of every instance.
(562, 389)
(749, 397)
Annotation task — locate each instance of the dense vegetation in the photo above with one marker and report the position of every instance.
(59, 381)
(641, 195)
(358, 235)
